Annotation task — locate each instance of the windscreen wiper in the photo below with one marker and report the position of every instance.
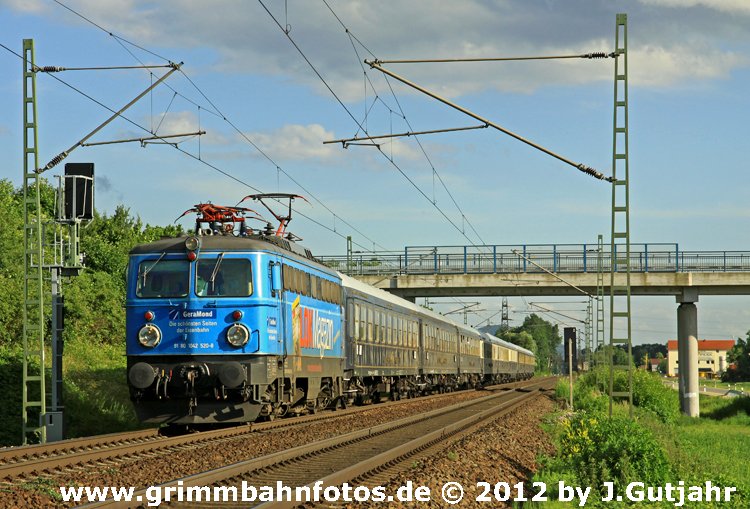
(149, 269)
(216, 270)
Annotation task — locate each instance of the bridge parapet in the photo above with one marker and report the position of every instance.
(516, 259)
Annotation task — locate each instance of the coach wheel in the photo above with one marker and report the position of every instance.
(311, 407)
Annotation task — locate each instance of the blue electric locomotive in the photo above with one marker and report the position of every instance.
(227, 328)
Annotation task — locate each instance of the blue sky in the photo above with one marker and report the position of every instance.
(689, 75)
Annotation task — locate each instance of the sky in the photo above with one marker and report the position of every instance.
(270, 81)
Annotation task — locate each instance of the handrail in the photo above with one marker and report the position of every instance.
(558, 258)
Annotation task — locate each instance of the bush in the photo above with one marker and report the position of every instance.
(650, 394)
(648, 391)
(612, 449)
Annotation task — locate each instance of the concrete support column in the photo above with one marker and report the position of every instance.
(687, 352)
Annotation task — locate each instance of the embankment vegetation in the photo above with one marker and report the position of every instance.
(658, 445)
(95, 391)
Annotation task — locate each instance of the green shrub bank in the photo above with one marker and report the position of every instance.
(656, 447)
(95, 392)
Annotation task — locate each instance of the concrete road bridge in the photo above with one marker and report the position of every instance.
(546, 270)
(563, 270)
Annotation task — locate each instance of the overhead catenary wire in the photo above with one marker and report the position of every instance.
(122, 42)
(218, 113)
(348, 141)
(359, 124)
(184, 152)
(52, 68)
(594, 55)
(579, 166)
(402, 114)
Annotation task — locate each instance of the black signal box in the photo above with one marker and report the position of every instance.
(79, 191)
(569, 338)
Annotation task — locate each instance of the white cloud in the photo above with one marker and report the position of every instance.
(658, 66)
(728, 6)
(296, 142)
(27, 6)
(302, 142)
(664, 50)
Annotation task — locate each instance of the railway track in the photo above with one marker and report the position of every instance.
(359, 456)
(24, 462)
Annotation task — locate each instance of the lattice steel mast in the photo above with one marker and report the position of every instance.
(600, 341)
(34, 395)
(620, 311)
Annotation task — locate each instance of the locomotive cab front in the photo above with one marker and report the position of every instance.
(196, 312)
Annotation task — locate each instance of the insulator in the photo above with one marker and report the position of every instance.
(50, 68)
(596, 54)
(590, 171)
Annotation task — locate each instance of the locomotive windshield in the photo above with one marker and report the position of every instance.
(223, 277)
(162, 279)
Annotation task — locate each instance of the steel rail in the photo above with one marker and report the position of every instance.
(310, 452)
(385, 466)
(20, 462)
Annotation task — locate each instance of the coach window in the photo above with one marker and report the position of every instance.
(384, 326)
(287, 275)
(369, 324)
(353, 321)
(379, 326)
(362, 322)
(387, 320)
(294, 284)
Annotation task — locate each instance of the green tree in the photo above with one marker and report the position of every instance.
(522, 339)
(618, 355)
(739, 356)
(539, 336)
(94, 305)
(662, 366)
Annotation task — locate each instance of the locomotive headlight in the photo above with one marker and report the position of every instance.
(192, 243)
(149, 335)
(237, 335)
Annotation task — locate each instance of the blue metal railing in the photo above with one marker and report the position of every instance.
(534, 258)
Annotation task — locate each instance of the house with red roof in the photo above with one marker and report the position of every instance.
(712, 357)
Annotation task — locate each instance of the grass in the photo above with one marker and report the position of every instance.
(95, 393)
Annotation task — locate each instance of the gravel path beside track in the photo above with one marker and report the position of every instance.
(506, 453)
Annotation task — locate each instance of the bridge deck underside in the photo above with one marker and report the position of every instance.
(536, 284)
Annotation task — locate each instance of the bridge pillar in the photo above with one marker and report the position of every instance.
(687, 351)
